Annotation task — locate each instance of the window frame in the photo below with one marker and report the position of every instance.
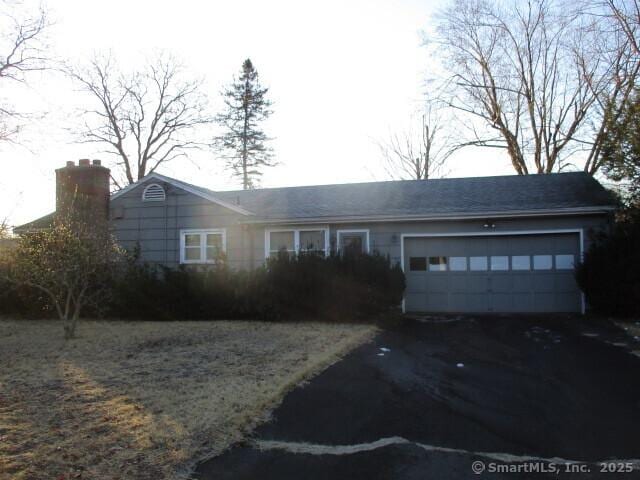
(296, 238)
(203, 232)
(516, 267)
(563, 268)
(538, 268)
(486, 263)
(353, 230)
(439, 265)
(466, 263)
(492, 265)
(426, 264)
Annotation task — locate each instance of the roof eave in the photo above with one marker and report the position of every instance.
(437, 217)
(183, 186)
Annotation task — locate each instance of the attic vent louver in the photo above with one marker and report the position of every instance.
(153, 193)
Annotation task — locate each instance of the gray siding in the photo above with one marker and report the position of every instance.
(155, 227)
(385, 238)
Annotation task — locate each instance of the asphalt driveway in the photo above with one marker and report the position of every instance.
(429, 397)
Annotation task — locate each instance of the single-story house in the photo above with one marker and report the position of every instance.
(485, 244)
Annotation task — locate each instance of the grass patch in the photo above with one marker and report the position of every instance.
(632, 328)
(146, 400)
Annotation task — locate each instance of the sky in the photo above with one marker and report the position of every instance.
(342, 76)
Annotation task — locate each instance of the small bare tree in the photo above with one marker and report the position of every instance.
(21, 52)
(530, 74)
(144, 118)
(4, 228)
(411, 156)
(72, 263)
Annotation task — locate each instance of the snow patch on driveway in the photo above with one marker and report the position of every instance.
(317, 449)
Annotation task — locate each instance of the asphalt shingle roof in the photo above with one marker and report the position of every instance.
(437, 197)
(37, 224)
(475, 195)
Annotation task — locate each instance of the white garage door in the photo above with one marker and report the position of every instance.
(506, 273)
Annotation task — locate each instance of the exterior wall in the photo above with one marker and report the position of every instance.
(385, 238)
(155, 227)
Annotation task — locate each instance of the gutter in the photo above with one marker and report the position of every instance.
(558, 212)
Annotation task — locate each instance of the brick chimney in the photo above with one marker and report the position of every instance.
(85, 187)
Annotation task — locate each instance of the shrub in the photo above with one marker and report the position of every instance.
(308, 285)
(609, 274)
(286, 287)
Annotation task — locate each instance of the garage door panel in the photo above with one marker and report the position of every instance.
(501, 283)
(568, 302)
(414, 247)
(416, 283)
(566, 244)
(437, 302)
(565, 282)
(526, 290)
(543, 282)
(415, 302)
(501, 302)
(522, 302)
(478, 283)
(521, 282)
(475, 303)
(544, 302)
(437, 283)
(458, 283)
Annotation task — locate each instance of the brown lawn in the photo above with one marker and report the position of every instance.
(145, 400)
(633, 329)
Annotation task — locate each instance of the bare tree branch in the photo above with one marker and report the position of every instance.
(540, 73)
(21, 51)
(419, 156)
(145, 118)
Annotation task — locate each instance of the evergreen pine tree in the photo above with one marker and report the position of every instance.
(243, 141)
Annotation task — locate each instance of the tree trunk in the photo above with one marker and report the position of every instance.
(70, 325)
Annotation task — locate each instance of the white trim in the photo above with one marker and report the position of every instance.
(184, 186)
(152, 185)
(296, 237)
(579, 231)
(353, 230)
(203, 244)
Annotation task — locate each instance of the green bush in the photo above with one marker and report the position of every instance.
(286, 287)
(306, 285)
(609, 274)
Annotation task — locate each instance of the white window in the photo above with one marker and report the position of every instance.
(542, 262)
(418, 264)
(296, 240)
(499, 263)
(477, 264)
(202, 246)
(437, 264)
(153, 193)
(353, 241)
(564, 262)
(282, 241)
(521, 262)
(458, 264)
(312, 241)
